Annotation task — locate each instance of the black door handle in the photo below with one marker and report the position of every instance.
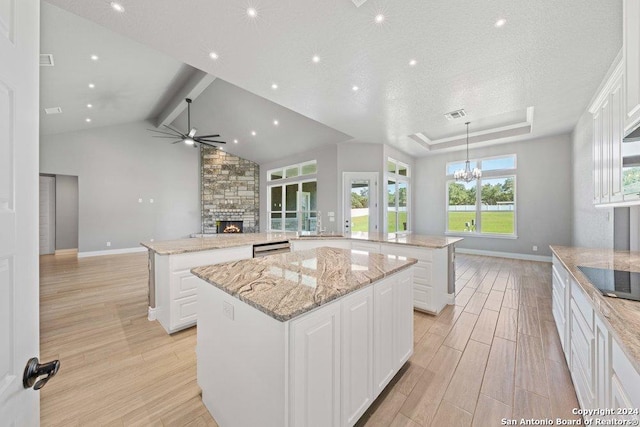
(35, 370)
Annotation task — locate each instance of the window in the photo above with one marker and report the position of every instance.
(486, 206)
(292, 203)
(397, 184)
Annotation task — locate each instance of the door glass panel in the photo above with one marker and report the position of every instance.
(309, 197)
(291, 221)
(392, 214)
(276, 221)
(360, 205)
(402, 205)
(276, 198)
(309, 221)
(291, 199)
(462, 206)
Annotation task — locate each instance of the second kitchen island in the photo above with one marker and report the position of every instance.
(304, 338)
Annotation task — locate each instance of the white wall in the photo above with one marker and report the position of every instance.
(592, 227)
(543, 195)
(116, 166)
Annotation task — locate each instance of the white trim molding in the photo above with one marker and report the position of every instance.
(511, 255)
(112, 252)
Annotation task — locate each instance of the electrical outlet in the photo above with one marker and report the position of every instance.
(535, 248)
(108, 244)
(332, 219)
(227, 309)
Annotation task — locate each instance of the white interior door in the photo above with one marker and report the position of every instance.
(47, 215)
(19, 332)
(360, 201)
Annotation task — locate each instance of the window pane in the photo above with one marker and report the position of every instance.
(276, 198)
(501, 163)
(631, 179)
(497, 214)
(291, 198)
(291, 172)
(309, 221)
(402, 170)
(402, 205)
(291, 222)
(276, 221)
(462, 206)
(391, 166)
(275, 175)
(309, 196)
(392, 217)
(360, 205)
(309, 168)
(452, 167)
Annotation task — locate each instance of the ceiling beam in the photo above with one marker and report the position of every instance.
(195, 85)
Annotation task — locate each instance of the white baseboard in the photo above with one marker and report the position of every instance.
(528, 257)
(152, 314)
(112, 252)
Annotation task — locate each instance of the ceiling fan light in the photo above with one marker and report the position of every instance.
(192, 132)
(189, 141)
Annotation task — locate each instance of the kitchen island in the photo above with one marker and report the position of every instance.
(304, 338)
(172, 290)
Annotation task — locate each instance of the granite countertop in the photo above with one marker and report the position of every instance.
(421, 240)
(622, 316)
(287, 285)
(215, 241)
(219, 241)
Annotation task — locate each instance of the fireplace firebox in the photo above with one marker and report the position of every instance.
(228, 226)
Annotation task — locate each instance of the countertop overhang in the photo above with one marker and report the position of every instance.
(288, 285)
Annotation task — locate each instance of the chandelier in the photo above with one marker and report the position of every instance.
(466, 174)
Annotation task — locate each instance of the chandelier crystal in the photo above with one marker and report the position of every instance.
(467, 174)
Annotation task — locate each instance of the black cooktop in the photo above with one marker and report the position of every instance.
(614, 283)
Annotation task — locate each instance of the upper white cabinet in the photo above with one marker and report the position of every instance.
(631, 49)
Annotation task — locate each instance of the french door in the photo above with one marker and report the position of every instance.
(360, 201)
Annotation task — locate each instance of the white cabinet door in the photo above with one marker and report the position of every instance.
(357, 355)
(631, 46)
(617, 133)
(365, 246)
(315, 368)
(403, 290)
(603, 361)
(597, 157)
(303, 245)
(384, 354)
(625, 384)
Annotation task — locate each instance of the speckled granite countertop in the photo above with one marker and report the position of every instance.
(219, 241)
(622, 316)
(288, 285)
(421, 240)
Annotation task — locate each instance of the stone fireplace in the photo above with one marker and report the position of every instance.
(229, 226)
(229, 191)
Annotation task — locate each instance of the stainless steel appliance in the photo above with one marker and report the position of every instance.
(271, 248)
(614, 283)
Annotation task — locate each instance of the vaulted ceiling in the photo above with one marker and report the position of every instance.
(386, 72)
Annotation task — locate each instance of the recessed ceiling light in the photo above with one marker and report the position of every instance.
(276, 123)
(315, 58)
(252, 12)
(235, 141)
(221, 148)
(355, 88)
(88, 120)
(91, 85)
(253, 132)
(413, 62)
(94, 57)
(274, 86)
(213, 56)
(117, 7)
(89, 105)
(500, 23)
(379, 18)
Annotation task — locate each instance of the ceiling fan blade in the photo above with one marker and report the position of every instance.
(175, 142)
(168, 136)
(208, 140)
(208, 136)
(159, 131)
(207, 144)
(176, 131)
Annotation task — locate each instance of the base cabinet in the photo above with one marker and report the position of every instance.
(324, 368)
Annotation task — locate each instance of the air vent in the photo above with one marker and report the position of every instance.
(46, 60)
(457, 114)
(53, 110)
(358, 3)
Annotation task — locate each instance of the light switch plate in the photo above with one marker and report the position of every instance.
(227, 309)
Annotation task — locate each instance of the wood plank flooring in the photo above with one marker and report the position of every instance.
(495, 354)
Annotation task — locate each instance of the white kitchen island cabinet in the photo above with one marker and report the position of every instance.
(282, 342)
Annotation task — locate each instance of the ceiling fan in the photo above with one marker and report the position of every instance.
(190, 137)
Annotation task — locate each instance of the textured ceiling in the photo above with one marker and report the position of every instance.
(550, 55)
(129, 78)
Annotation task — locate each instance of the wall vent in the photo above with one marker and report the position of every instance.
(457, 114)
(46, 60)
(358, 3)
(53, 110)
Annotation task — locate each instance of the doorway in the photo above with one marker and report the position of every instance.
(58, 216)
(360, 201)
(47, 214)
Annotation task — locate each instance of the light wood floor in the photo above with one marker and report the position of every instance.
(495, 354)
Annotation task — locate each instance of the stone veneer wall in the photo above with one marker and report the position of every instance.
(230, 190)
